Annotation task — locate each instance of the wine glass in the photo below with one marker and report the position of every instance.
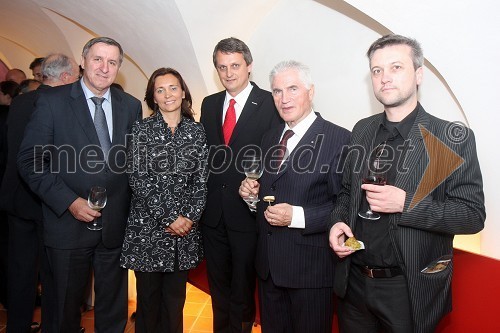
(374, 173)
(97, 201)
(253, 170)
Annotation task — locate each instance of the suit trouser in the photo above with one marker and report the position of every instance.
(26, 260)
(372, 305)
(160, 301)
(71, 269)
(231, 274)
(4, 246)
(295, 310)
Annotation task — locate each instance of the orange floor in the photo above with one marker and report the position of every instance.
(197, 314)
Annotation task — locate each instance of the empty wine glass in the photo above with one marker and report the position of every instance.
(97, 201)
(374, 173)
(253, 170)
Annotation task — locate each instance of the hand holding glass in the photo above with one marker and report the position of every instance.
(253, 170)
(97, 201)
(374, 173)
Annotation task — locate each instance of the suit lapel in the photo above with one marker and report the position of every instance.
(119, 122)
(309, 139)
(366, 142)
(270, 141)
(80, 109)
(249, 110)
(219, 109)
(414, 155)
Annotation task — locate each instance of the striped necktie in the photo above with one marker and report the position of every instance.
(101, 126)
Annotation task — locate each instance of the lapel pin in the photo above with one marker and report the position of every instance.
(254, 103)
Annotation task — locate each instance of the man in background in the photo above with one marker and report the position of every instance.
(27, 256)
(16, 75)
(36, 69)
(235, 120)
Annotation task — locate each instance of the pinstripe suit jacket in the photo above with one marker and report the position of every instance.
(425, 232)
(301, 258)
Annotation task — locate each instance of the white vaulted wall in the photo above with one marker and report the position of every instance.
(460, 40)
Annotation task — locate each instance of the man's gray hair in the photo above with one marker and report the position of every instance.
(105, 40)
(304, 71)
(56, 64)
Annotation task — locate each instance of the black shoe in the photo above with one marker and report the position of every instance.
(82, 330)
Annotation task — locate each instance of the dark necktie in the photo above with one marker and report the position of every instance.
(101, 126)
(229, 122)
(280, 153)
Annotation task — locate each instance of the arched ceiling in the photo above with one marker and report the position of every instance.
(460, 39)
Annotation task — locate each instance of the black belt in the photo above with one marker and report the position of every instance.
(378, 272)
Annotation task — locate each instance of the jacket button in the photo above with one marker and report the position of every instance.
(269, 233)
(223, 185)
(273, 188)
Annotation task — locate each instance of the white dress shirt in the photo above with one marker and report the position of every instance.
(240, 99)
(299, 130)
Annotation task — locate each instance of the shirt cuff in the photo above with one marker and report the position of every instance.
(298, 218)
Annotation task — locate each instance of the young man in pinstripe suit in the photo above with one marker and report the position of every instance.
(401, 281)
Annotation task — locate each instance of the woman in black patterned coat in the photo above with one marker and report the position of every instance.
(167, 172)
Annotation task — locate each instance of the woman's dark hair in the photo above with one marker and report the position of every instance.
(187, 102)
(10, 88)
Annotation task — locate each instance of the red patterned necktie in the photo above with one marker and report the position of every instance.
(229, 122)
(280, 153)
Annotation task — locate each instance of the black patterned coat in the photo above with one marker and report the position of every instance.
(167, 174)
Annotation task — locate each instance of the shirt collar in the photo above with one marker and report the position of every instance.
(301, 128)
(242, 97)
(403, 127)
(89, 94)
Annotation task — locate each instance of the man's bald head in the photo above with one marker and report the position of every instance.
(16, 75)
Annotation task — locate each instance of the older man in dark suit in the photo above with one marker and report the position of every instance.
(300, 181)
(401, 281)
(24, 207)
(75, 140)
(234, 121)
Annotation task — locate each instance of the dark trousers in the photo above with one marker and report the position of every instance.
(4, 255)
(295, 310)
(71, 269)
(27, 260)
(160, 301)
(375, 305)
(230, 257)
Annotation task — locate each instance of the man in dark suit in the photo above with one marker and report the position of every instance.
(294, 263)
(27, 257)
(228, 227)
(76, 140)
(401, 281)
